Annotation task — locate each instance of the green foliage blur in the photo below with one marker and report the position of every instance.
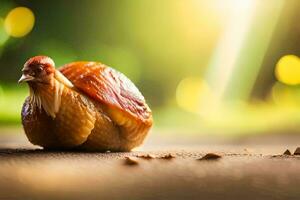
(143, 39)
(157, 44)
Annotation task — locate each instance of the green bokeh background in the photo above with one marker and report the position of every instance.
(157, 44)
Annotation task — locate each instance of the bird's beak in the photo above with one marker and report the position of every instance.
(25, 78)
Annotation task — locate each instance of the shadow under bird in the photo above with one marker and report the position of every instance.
(82, 105)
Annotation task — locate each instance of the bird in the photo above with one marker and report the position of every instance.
(82, 105)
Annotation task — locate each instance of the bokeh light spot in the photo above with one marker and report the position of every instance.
(19, 22)
(285, 95)
(192, 93)
(287, 70)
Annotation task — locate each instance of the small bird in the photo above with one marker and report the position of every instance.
(82, 106)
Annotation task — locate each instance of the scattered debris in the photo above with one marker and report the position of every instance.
(277, 156)
(248, 151)
(168, 156)
(210, 156)
(147, 157)
(297, 151)
(131, 161)
(287, 152)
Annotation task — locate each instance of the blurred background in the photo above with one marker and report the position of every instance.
(205, 67)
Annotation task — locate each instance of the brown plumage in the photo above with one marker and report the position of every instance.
(83, 105)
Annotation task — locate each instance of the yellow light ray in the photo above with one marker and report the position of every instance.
(227, 52)
(3, 35)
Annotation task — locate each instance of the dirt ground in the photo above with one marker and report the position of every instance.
(244, 171)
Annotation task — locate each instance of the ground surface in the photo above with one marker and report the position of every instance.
(245, 171)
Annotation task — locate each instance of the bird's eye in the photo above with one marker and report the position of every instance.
(38, 69)
(29, 72)
(32, 73)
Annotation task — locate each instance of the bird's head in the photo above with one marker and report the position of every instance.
(38, 69)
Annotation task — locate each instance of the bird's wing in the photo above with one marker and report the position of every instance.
(111, 88)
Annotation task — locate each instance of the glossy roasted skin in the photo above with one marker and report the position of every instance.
(102, 111)
(119, 97)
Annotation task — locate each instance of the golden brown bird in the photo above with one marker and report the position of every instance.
(83, 105)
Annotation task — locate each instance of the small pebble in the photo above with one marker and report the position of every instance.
(148, 156)
(131, 161)
(211, 156)
(168, 156)
(297, 151)
(287, 152)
